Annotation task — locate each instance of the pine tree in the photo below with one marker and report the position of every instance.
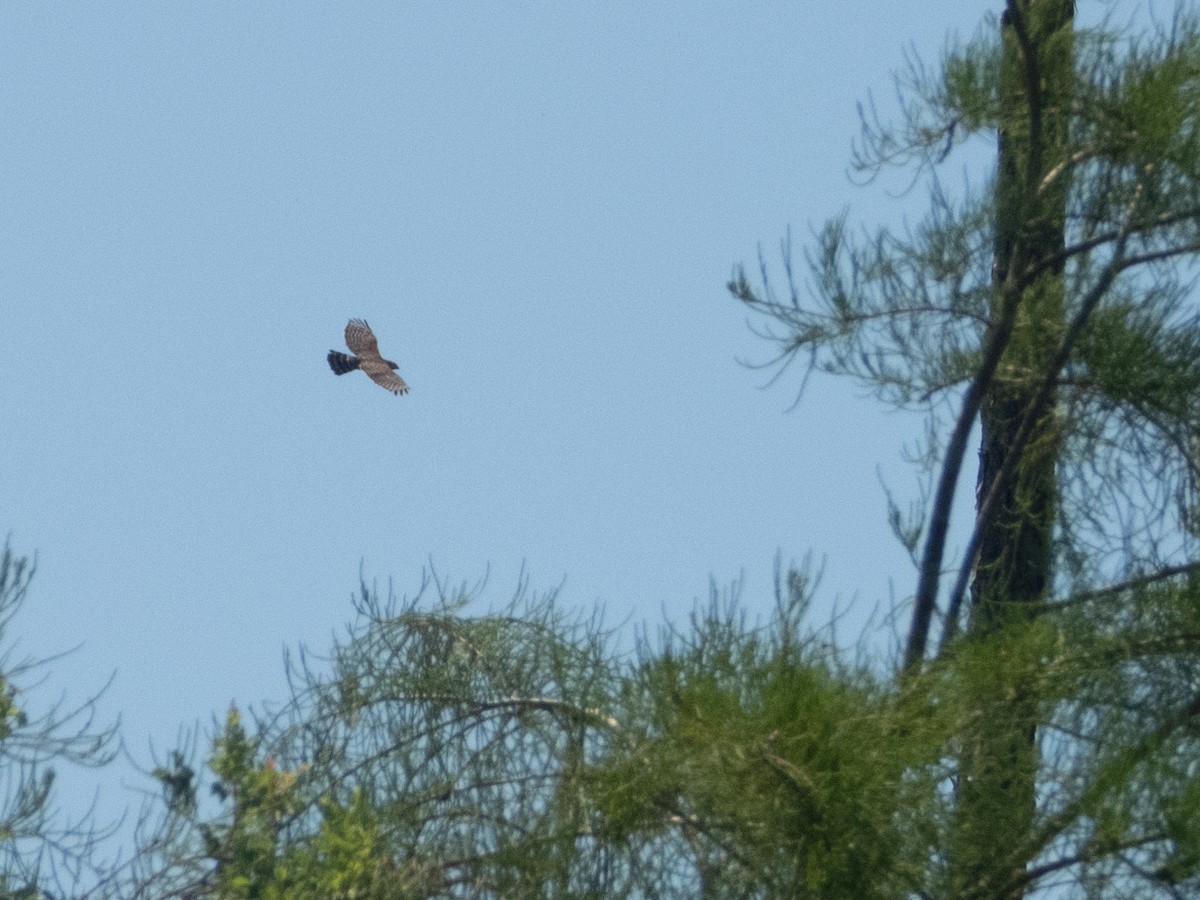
(1051, 310)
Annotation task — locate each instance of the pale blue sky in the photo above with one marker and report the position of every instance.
(535, 205)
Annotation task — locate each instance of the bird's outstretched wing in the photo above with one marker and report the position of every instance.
(361, 339)
(381, 373)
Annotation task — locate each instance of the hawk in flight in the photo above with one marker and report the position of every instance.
(361, 339)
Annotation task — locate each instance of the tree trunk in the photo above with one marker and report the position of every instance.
(995, 794)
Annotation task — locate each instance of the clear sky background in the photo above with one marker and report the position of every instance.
(536, 206)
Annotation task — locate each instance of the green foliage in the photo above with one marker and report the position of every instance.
(344, 857)
(251, 847)
(728, 759)
(781, 768)
(440, 756)
(178, 783)
(261, 798)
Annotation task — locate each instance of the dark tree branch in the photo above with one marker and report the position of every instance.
(1037, 408)
(999, 335)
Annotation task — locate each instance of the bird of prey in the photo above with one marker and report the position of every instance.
(361, 339)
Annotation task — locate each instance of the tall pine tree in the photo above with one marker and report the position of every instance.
(1049, 313)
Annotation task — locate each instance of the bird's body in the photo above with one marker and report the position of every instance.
(361, 340)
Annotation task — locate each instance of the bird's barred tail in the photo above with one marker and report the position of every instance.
(341, 363)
